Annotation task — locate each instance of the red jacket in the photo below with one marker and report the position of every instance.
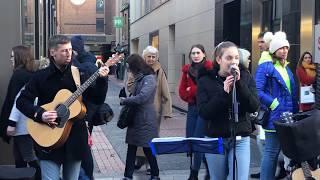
(303, 77)
(186, 81)
(305, 80)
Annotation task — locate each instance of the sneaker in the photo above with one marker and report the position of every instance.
(255, 176)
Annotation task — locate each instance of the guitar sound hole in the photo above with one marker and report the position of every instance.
(63, 115)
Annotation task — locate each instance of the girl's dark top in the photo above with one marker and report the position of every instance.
(214, 104)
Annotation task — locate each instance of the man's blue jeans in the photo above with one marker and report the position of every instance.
(195, 128)
(221, 165)
(51, 170)
(270, 156)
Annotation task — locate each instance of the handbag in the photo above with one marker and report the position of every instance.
(127, 112)
(103, 115)
(262, 117)
(306, 95)
(126, 116)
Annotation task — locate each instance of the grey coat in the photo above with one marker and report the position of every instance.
(144, 127)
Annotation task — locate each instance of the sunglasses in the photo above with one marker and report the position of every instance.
(194, 53)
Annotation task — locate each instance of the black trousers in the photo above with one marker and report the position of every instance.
(131, 157)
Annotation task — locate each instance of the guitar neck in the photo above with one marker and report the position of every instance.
(82, 88)
(306, 169)
(88, 82)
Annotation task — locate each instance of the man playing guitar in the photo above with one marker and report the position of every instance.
(45, 85)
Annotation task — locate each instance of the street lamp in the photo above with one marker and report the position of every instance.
(77, 2)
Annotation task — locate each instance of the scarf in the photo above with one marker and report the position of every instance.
(194, 69)
(310, 69)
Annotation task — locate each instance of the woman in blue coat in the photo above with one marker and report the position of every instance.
(277, 92)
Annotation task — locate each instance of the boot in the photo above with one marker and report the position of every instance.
(193, 175)
(140, 161)
(282, 173)
(154, 178)
(126, 178)
(255, 175)
(35, 164)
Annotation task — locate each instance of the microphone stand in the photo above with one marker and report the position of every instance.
(235, 119)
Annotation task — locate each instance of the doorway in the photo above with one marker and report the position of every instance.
(231, 21)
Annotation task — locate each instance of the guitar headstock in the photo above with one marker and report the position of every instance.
(287, 117)
(114, 59)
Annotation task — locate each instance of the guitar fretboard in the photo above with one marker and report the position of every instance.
(306, 169)
(81, 89)
(89, 81)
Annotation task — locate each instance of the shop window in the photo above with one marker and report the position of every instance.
(154, 39)
(317, 12)
(100, 25)
(100, 6)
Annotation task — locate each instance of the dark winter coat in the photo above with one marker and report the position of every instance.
(86, 62)
(44, 85)
(214, 103)
(144, 127)
(18, 79)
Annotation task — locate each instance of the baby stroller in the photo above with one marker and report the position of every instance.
(299, 137)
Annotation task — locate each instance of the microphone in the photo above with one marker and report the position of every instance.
(233, 70)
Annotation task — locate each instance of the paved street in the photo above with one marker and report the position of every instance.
(109, 147)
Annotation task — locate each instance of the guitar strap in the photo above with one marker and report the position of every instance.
(76, 75)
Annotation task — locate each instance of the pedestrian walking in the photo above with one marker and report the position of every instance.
(144, 126)
(162, 99)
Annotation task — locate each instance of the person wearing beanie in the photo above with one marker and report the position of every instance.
(277, 93)
(77, 44)
(265, 56)
(86, 61)
(279, 40)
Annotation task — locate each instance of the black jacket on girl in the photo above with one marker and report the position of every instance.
(18, 79)
(214, 104)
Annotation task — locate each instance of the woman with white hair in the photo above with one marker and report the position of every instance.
(162, 99)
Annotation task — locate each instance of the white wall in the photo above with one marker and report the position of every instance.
(10, 36)
(193, 23)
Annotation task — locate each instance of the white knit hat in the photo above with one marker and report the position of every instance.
(244, 56)
(278, 41)
(267, 37)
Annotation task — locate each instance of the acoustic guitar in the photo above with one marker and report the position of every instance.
(69, 108)
(304, 173)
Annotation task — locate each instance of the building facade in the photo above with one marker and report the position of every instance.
(90, 18)
(172, 26)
